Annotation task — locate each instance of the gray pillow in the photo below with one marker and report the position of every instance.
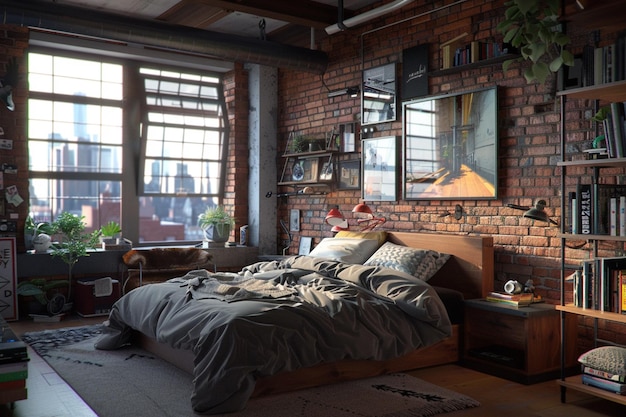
(421, 263)
(350, 251)
(611, 359)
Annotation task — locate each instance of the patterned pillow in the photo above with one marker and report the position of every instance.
(350, 251)
(421, 263)
(610, 359)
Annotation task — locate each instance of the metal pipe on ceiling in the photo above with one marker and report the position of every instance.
(115, 27)
(367, 16)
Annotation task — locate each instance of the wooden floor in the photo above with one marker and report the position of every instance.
(49, 396)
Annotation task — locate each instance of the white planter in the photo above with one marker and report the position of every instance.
(42, 243)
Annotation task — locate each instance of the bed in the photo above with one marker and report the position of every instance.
(305, 320)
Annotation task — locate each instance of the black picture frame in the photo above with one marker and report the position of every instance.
(451, 146)
(415, 72)
(379, 162)
(349, 174)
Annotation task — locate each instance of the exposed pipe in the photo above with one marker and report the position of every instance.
(364, 17)
(101, 25)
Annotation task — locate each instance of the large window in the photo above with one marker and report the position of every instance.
(83, 125)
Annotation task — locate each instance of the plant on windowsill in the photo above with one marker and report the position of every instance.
(110, 233)
(216, 223)
(533, 27)
(37, 236)
(73, 242)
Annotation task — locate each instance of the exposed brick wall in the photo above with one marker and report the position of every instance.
(529, 136)
(13, 44)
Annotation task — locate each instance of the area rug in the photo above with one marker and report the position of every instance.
(131, 382)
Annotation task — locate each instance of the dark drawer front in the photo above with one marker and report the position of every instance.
(499, 328)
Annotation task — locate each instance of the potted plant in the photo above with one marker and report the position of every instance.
(37, 236)
(216, 223)
(533, 27)
(110, 233)
(44, 299)
(73, 242)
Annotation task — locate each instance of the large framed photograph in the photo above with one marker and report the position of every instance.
(378, 100)
(450, 146)
(379, 159)
(349, 175)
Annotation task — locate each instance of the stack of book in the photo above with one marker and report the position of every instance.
(13, 365)
(604, 380)
(517, 300)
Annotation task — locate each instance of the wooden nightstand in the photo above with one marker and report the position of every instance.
(521, 344)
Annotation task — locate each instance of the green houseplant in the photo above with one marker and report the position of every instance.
(533, 27)
(216, 223)
(73, 241)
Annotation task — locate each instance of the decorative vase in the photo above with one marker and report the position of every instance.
(42, 243)
(217, 232)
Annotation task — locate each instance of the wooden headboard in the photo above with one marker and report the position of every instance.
(470, 270)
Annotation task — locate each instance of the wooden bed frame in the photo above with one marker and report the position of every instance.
(470, 271)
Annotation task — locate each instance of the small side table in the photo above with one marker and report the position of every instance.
(522, 344)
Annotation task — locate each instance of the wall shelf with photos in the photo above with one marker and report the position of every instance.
(308, 169)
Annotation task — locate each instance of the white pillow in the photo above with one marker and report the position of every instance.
(350, 251)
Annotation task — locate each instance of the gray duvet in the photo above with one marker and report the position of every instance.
(274, 317)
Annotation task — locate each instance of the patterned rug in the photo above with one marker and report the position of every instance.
(130, 382)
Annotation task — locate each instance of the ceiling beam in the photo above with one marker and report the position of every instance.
(302, 12)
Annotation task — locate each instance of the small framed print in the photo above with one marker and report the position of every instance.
(305, 245)
(327, 171)
(294, 220)
(349, 173)
(348, 137)
(379, 161)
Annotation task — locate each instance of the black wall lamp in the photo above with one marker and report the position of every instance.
(352, 91)
(536, 213)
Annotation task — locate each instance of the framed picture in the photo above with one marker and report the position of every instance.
(348, 137)
(294, 220)
(379, 159)
(305, 245)
(450, 146)
(378, 98)
(326, 174)
(349, 173)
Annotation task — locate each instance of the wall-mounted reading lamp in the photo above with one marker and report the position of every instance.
(336, 220)
(535, 213)
(352, 91)
(370, 222)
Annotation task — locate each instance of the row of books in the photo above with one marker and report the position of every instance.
(601, 285)
(598, 209)
(605, 64)
(614, 126)
(13, 363)
(455, 52)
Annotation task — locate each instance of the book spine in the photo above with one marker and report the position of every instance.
(604, 384)
(602, 374)
(622, 275)
(13, 376)
(584, 208)
(622, 215)
(613, 216)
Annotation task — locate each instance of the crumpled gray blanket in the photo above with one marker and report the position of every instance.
(227, 286)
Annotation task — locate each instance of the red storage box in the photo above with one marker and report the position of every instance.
(96, 297)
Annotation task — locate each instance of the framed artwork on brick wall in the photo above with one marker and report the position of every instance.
(379, 159)
(451, 146)
(379, 95)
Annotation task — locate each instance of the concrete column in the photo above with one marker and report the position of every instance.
(262, 139)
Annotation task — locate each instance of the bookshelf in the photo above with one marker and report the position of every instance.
(601, 94)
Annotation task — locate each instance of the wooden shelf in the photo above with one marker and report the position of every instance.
(589, 312)
(575, 383)
(606, 14)
(312, 154)
(478, 64)
(610, 92)
(592, 163)
(592, 237)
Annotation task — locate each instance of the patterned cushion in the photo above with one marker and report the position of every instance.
(610, 359)
(421, 263)
(350, 251)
